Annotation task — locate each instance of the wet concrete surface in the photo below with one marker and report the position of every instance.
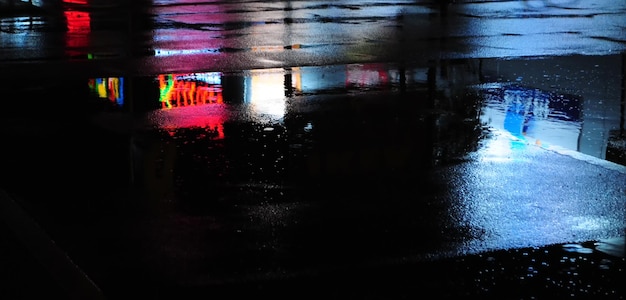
(332, 191)
(371, 176)
(191, 36)
(551, 272)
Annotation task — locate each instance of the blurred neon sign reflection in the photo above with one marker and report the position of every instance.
(192, 100)
(177, 90)
(111, 88)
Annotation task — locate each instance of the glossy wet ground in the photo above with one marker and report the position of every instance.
(311, 166)
(325, 187)
(569, 271)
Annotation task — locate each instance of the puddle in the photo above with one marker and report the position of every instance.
(550, 102)
(201, 144)
(271, 166)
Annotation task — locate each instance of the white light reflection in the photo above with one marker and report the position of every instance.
(501, 147)
(518, 195)
(266, 92)
(173, 52)
(533, 116)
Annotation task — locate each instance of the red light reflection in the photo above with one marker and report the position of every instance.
(367, 75)
(78, 21)
(209, 118)
(191, 104)
(78, 27)
(176, 92)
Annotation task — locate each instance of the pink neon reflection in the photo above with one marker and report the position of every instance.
(187, 101)
(209, 117)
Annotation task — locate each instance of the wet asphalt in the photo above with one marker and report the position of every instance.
(311, 228)
(313, 225)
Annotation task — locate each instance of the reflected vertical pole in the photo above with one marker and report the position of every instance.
(616, 146)
(131, 97)
(288, 83)
(432, 84)
(402, 79)
(623, 96)
(131, 157)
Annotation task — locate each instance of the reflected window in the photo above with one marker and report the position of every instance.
(111, 88)
(368, 76)
(266, 92)
(528, 113)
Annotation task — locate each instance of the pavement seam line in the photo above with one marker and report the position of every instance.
(67, 274)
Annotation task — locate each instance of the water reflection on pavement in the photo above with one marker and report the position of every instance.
(176, 149)
(214, 179)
